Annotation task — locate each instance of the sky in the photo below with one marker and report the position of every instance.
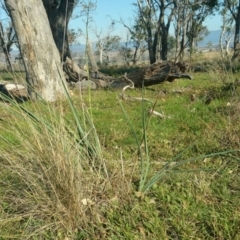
(108, 10)
(115, 9)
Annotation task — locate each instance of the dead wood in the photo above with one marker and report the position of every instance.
(131, 86)
(74, 73)
(13, 91)
(157, 114)
(146, 76)
(158, 73)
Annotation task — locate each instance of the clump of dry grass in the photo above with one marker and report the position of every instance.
(47, 176)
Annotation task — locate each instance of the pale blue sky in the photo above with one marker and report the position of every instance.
(114, 9)
(105, 11)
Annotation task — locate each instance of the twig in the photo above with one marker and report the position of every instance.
(131, 85)
(155, 113)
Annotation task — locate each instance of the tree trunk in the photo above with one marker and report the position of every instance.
(177, 34)
(101, 53)
(221, 38)
(59, 17)
(92, 60)
(146, 17)
(135, 54)
(164, 44)
(237, 27)
(163, 51)
(5, 47)
(236, 43)
(40, 55)
(184, 35)
(152, 54)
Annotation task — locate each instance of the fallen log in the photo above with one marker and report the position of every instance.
(145, 76)
(158, 73)
(13, 91)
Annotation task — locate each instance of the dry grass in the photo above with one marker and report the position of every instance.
(50, 180)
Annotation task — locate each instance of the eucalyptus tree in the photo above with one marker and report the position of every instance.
(102, 39)
(234, 8)
(40, 55)
(87, 9)
(107, 45)
(200, 10)
(135, 44)
(132, 49)
(227, 32)
(156, 16)
(189, 17)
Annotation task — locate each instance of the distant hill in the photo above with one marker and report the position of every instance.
(77, 48)
(212, 37)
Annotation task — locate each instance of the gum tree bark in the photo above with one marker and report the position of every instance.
(40, 55)
(59, 13)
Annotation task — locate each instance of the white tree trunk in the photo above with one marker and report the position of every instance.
(101, 52)
(92, 58)
(221, 39)
(228, 41)
(40, 55)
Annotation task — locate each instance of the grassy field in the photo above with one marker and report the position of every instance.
(108, 169)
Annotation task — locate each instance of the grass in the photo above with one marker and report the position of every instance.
(16, 76)
(52, 189)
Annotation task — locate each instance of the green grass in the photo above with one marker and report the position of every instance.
(198, 200)
(16, 76)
